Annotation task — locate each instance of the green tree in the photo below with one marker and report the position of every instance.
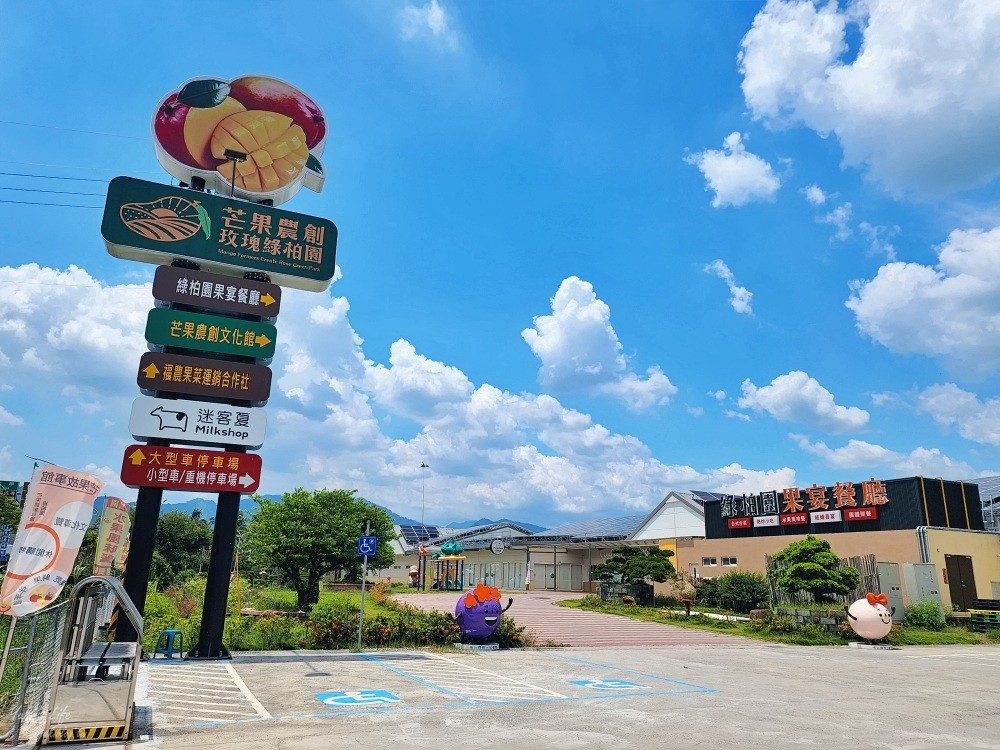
(10, 511)
(636, 564)
(181, 546)
(308, 534)
(814, 568)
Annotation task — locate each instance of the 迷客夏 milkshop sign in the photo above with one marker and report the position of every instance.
(154, 223)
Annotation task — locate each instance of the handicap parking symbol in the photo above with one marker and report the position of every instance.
(609, 684)
(358, 698)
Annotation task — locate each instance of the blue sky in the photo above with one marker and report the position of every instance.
(589, 252)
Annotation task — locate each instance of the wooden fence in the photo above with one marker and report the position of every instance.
(865, 565)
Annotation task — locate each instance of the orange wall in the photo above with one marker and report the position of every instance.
(887, 546)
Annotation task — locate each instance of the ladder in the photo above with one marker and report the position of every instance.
(93, 688)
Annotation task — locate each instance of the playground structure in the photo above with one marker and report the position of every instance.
(449, 568)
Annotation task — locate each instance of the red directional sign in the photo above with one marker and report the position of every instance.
(191, 470)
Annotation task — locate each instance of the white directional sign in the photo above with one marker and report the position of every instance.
(196, 422)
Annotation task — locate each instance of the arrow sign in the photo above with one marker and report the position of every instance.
(210, 378)
(216, 292)
(196, 422)
(190, 469)
(210, 333)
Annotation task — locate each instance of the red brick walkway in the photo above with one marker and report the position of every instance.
(552, 624)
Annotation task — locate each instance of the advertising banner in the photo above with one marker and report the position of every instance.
(112, 539)
(56, 515)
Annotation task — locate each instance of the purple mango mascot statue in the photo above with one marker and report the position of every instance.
(479, 610)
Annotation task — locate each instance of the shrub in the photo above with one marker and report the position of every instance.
(512, 635)
(925, 614)
(665, 602)
(708, 592)
(380, 592)
(742, 591)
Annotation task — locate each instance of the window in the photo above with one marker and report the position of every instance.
(729, 561)
(709, 561)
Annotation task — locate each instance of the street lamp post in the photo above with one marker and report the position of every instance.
(423, 474)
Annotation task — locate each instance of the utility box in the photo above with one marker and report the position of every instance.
(888, 581)
(921, 582)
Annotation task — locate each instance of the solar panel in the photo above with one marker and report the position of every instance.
(415, 534)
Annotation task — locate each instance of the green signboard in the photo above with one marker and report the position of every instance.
(210, 333)
(155, 223)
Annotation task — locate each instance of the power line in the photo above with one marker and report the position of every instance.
(36, 203)
(52, 177)
(38, 190)
(71, 130)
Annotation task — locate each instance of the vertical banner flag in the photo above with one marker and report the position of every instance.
(112, 539)
(56, 515)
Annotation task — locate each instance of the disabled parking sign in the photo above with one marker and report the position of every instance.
(609, 684)
(358, 698)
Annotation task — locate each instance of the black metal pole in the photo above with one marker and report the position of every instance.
(220, 565)
(140, 558)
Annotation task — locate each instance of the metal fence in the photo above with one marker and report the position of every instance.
(864, 564)
(27, 677)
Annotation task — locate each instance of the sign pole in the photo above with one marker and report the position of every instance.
(140, 558)
(364, 578)
(220, 568)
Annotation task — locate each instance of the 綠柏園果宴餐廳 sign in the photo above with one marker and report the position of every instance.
(154, 223)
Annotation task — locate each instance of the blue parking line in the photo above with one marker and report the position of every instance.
(421, 680)
(695, 688)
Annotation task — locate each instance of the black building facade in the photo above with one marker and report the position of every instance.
(872, 505)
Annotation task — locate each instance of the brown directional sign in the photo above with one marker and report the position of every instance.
(198, 376)
(215, 292)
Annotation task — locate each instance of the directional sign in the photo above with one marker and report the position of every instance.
(190, 469)
(211, 333)
(196, 422)
(215, 292)
(155, 223)
(212, 378)
(367, 545)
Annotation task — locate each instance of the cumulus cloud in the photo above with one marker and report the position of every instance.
(733, 414)
(430, 23)
(870, 458)
(739, 297)
(814, 194)
(918, 104)
(950, 406)
(951, 310)
(734, 175)
(580, 350)
(840, 217)
(719, 395)
(338, 418)
(11, 420)
(797, 397)
(879, 239)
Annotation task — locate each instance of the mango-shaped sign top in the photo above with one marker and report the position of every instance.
(256, 137)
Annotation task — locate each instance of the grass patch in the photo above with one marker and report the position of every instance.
(782, 629)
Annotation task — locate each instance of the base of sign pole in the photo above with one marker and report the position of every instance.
(477, 646)
(873, 646)
(196, 655)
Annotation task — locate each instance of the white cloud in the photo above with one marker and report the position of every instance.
(580, 350)
(416, 387)
(733, 414)
(814, 194)
(975, 420)
(717, 395)
(797, 397)
(430, 23)
(870, 458)
(917, 106)
(696, 411)
(9, 419)
(951, 311)
(840, 217)
(879, 239)
(740, 297)
(734, 175)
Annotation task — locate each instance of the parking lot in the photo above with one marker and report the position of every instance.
(735, 696)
